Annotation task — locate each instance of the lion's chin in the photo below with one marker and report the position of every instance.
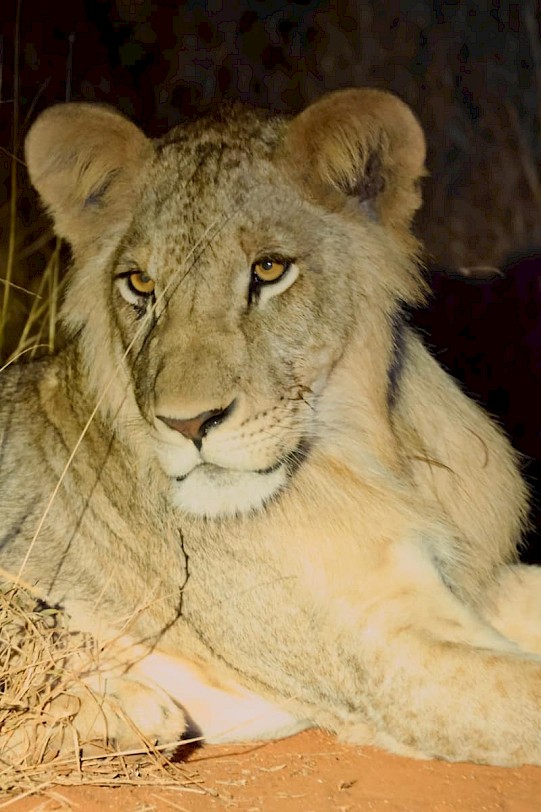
(212, 492)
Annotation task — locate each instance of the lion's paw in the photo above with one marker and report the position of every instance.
(127, 715)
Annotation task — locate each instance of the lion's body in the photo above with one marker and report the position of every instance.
(293, 512)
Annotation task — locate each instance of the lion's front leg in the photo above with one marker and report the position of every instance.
(129, 698)
(436, 680)
(513, 605)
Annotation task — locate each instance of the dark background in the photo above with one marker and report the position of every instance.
(470, 70)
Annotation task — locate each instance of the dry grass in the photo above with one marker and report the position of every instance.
(29, 326)
(38, 682)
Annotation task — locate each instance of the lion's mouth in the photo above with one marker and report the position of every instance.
(291, 461)
(216, 471)
(214, 491)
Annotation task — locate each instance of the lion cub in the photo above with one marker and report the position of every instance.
(244, 474)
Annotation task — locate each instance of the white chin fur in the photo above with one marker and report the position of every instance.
(212, 492)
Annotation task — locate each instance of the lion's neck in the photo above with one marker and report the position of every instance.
(356, 410)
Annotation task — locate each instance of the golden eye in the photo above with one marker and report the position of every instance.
(269, 270)
(141, 283)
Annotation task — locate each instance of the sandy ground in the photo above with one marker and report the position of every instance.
(311, 772)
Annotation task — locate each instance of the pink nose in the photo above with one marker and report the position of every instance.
(195, 428)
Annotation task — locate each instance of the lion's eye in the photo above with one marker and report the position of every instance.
(269, 270)
(270, 276)
(140, 283)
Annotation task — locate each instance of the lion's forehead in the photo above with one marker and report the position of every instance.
(203, 200)
(201, 160)
(234, 124)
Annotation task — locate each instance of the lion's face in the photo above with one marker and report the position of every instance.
(251, 304)
(231, 288)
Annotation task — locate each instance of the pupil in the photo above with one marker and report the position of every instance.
(267, 265)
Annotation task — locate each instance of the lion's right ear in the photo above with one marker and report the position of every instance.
(85, 161)
(365, 144)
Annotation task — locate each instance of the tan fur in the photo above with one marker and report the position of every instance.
(337, 546)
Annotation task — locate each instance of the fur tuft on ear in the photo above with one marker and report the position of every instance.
(85, 161)
(363, 143)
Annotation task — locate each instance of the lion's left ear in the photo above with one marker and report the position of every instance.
(85, 160)
(363, 143)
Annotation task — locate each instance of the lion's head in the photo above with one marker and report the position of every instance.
(223, 272)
